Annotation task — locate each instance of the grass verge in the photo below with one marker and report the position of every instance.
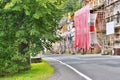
(39, 71)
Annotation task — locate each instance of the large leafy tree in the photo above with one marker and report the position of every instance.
(71, 5)
(24, 25)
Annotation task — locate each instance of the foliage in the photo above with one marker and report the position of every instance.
(39, 71)
(71, 6)
(23, 25)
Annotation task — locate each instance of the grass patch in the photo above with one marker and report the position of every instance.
(39, 71)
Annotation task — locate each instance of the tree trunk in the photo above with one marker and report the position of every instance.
(23, 50)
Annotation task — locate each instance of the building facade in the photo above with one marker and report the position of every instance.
(107, 24)
(112, 16)
(66, 33)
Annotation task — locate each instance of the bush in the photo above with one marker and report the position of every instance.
(11, 62)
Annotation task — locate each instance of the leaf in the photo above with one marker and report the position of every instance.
(23, 40)
(37, 15)
(34, 32)
(25, 7)
(1, 34)
(9, 5)
(20, 33)
(17, 8)
(27, 12)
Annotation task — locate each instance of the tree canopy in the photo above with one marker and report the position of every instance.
(24, 25)
(70, 6)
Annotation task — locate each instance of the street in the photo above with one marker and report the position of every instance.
(84, 67)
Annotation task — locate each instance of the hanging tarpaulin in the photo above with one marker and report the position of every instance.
(82, 28)
(93, 34)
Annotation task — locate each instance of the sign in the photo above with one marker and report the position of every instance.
(110, 28)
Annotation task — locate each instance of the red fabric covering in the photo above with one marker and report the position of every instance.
(82, 28)
(92, 29)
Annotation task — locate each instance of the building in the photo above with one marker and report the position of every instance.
(112, 19)
(107, 24)
(66, 33)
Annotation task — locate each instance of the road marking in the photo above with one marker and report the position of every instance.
(79, 73)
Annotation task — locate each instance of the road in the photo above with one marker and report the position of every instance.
(84, 67)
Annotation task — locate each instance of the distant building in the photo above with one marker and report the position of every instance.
(66, 32)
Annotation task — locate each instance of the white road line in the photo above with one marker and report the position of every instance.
(79, 73)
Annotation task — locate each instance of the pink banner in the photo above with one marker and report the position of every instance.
(82, 28)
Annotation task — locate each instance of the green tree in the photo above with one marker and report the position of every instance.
(23, 26)
(71, 6)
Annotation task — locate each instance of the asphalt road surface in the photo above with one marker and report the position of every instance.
(84, 67)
